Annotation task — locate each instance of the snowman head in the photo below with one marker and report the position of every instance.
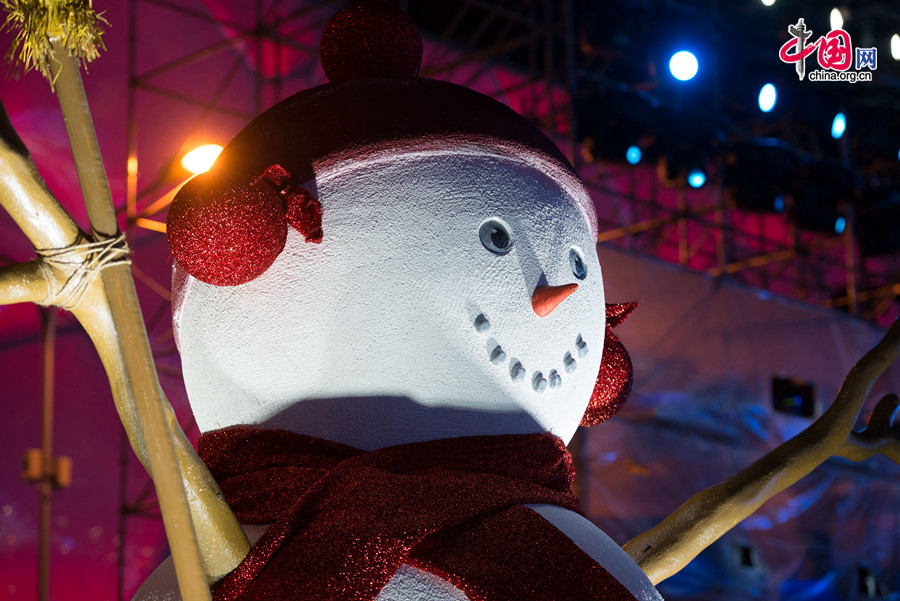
(454, 290)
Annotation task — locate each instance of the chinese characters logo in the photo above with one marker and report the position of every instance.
(834, 53)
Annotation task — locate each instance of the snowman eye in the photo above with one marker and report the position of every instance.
(495, 236)
(577, 264)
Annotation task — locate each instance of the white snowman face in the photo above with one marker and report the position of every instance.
(413, 319)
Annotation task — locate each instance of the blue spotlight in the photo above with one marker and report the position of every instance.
(683, 65)
(898, 155)
(838, 126)
(633, 155)
(768, 96)
(840, 224)
(696, 178)
(779, 203)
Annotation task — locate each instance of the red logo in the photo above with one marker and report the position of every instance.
(835, 50)
(835, 54)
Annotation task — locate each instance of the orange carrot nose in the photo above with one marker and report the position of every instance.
(547, 298)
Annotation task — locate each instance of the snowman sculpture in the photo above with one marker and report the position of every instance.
(391, 319)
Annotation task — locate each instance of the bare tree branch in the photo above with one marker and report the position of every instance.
(701, 520)
(881, 434)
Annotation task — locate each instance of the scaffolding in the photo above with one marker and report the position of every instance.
(529, 58)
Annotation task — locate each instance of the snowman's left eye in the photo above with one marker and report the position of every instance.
(577, 264)
(495, 236)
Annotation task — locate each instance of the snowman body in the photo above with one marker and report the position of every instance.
(408, 323)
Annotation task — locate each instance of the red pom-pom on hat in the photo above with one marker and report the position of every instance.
(227, 236)
(370, 38)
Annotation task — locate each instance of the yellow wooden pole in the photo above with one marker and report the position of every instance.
(25, 197)
(140, 371)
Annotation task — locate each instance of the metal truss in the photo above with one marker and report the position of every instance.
(701, 230)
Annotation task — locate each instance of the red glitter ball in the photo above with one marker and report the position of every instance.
(226, 236)
(616, 372)
(613, 382)
(370, 38)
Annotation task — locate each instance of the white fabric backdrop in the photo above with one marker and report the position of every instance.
(704, 353)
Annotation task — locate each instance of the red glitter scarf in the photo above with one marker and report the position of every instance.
(344, 520)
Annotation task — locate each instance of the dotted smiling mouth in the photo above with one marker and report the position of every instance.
(517, 371)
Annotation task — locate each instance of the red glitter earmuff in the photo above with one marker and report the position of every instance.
(229, 235)
(616, 373)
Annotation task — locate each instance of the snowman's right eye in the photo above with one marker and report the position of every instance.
(495, 235)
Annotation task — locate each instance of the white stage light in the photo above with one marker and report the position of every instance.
(838, 126)
(683, 65)
(768, 96)
(836, 19)
(696, 178)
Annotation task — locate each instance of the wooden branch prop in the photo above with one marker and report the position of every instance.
(22, 193)
(90, 276)
(25, 196)
(22, 283)
(701, 520)
(881, 434)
